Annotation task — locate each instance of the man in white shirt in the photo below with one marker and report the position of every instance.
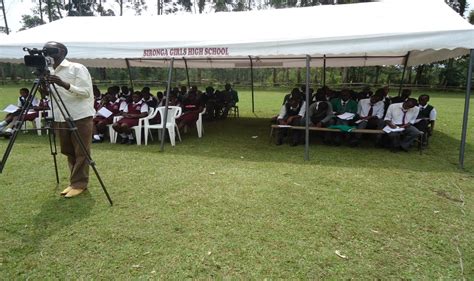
(402, 115)
(370, 112)
(74, 85)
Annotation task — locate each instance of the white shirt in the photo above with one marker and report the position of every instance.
(300, 113)
(433, 113)
(79, 99)
(396, 111)
(35, 102)
(363, 108)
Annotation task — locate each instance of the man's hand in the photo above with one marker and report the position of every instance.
(56, 80)
(282, 122)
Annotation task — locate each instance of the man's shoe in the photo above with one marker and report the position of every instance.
(64, 192)
(74, 192)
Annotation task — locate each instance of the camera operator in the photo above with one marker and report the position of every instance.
(74, 85)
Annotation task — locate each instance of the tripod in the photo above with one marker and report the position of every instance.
(53, 93)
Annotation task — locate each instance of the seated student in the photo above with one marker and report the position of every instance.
(132, 112)
(406, 93)
(229, 98)
(148, 98)
(425, 121)
(290, 114)
(370, 113)
(209, 100)
(341, 105)
(100, 122)
(10, 119)
(402, 115)
(191, 107)
(296, 93)
(320, 113)
(159, 98)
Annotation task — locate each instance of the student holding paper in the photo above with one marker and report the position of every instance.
(14, 111)
(104, 116)
(402, 116)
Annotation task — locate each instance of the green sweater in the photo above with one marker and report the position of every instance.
(351, 106)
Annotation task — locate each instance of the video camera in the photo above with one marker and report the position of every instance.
(40, 58)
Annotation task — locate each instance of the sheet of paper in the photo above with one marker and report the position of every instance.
(284, 126)
(11, 108)
(387, 129)
(359, 121)
(346, 116)
(104, 112)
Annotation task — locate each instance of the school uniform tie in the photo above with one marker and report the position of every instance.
(371, 110)
(403, 119)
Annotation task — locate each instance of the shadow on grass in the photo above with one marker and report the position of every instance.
(55, 215)
(247, 139)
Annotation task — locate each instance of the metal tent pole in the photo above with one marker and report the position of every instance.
(187, 72)
(324, 70)
(306, 136)
(165, 118)
(129, 73)
(466, 110)
(403, 73)
(251, 82)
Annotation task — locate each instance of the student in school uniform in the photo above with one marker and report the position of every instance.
(191, 107)
(132, 112)
(101, 122)
(370, 112)
(291, 114)
(6, 126)
(402, 115)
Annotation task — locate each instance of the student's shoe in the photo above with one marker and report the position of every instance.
(74, 192)
(65, 191)
(124, 141)
(131, 141)
(96, 140)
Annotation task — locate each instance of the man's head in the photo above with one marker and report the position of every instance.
(228, 87)
(24, 92)
(423, 99)
(136, 96)
(376, 98)
(409, 103)
(406, 93)
(345, 94)
(56, 50)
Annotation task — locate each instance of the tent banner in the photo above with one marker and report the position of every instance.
(172, 52)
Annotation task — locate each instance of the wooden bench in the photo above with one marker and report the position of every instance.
(353, 131)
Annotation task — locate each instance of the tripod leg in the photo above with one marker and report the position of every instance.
(53, 147)
(19, 123)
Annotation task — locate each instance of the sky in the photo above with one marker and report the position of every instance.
(16, 8)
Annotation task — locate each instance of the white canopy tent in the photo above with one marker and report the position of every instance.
(378, 33)
(391, 32)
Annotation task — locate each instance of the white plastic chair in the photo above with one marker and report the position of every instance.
(112, 133)
(173, 113)
(37, 123)
(141, 124)
(199, 127)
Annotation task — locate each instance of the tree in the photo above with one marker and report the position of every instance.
(30, 21)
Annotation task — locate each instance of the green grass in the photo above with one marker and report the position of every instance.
(229, 205)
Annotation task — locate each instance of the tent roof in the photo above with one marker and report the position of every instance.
(378, 33)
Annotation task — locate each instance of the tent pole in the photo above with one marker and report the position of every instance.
(306, 137)
(403, 73)
(251, 84)
(187, 72)
(324, 70)
(129, 73)
(165, 117)
(466, 110)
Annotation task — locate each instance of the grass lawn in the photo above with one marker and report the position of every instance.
(232, 205)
